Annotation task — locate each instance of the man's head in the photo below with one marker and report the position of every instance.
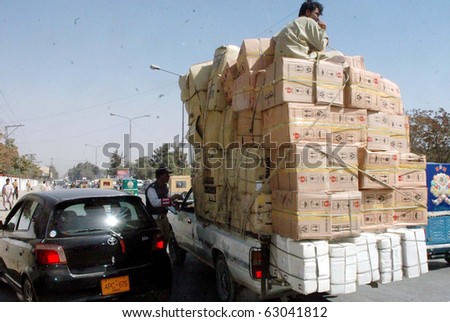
(162, 175)
(311, 9)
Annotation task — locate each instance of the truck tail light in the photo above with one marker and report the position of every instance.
(256, 266)
(50, 254)
(159, 242)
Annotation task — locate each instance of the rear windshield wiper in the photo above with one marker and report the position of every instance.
(108, 230)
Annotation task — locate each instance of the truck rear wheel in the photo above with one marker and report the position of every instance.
(225, 284)
(177, 255)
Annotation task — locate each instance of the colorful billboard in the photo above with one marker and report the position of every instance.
(438, 182)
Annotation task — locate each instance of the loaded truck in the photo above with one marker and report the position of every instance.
(303, 181)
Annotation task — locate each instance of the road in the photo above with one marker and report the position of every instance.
(195, 282)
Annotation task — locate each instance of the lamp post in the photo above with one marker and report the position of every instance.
(95, 147)
(155, 67)
(130, 120)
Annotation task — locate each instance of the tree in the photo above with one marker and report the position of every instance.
(84, 170)
(430, 134)
(115, 163)
(8, 154)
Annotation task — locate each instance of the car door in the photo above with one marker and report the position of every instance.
(183, 222)
(17, 253)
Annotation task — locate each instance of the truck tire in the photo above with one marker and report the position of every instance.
(225, 284)
(177, 255)
(28, 294)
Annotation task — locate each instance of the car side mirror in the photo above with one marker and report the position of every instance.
(10, 227)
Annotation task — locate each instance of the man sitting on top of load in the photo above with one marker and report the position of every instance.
(306, 36)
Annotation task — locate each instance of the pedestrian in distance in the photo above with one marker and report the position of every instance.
(28, 185)
(16, 189)
(7, 193)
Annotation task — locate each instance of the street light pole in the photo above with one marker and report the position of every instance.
(155, 67)
(130, 120)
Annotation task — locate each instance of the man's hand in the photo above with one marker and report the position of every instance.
(176, 197)
(322, 24)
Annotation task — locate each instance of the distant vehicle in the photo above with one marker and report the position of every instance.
(59, 184)
(78, 244)
(144, 186)
(106, 183)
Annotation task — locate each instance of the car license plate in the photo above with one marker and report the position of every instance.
(115, 285)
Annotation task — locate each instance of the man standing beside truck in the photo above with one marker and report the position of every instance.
(157, 199)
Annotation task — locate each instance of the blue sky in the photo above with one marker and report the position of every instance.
(66, 65)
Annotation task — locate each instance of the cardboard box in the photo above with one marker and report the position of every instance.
(411, 197)
(375, 220)
(316, 216)
(355, 62)
(399, 143)
(410, 178)
(305, 180)
(414, 251)
(345, 179)
(390, 99)
(213, 121)
(343, 263)
(255, 54)
(377, 199)
(378, 121)
(228, 76)
(216, 95)
(381, 160)
(227, 131)
(198, 77)
(378, 140)
(362, 90)
(289, 80)
(249, 123)
(399, 125)
(367, 266)
(330, 84)
(390, 252)
(295, 123)
(244, 92)
(377, 179)
(412, 161)
(410, 217)
(314, 155)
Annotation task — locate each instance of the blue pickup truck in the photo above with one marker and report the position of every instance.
(438, 228)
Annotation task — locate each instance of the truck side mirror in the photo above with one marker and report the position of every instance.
(172, 209)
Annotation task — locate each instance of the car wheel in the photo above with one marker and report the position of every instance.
(28, 294)
(177, 255)
(225, 284)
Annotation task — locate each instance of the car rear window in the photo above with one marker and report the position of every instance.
(94, 216)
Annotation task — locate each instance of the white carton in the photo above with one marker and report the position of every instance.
(414, 252)
(367, 258)
(390, 252)
(343, 267)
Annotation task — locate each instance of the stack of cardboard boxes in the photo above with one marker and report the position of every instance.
(303, 149)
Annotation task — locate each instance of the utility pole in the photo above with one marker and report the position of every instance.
(16, 126)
